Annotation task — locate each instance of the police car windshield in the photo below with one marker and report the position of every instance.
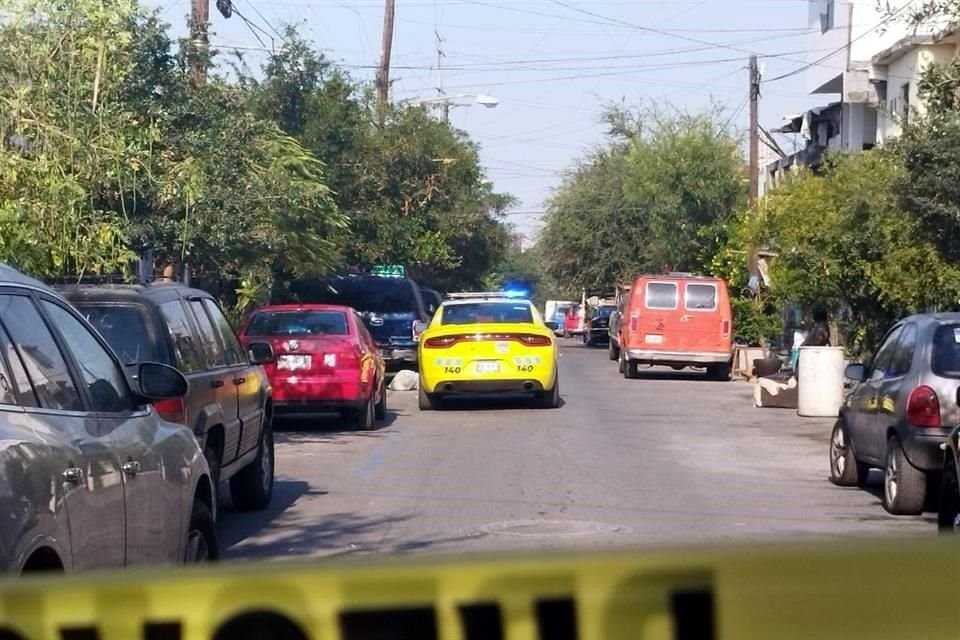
(487, 312)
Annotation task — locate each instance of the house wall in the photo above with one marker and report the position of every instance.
(903, 78)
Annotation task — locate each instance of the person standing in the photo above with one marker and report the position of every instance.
(819, 334)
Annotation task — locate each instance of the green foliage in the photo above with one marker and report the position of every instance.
(844, 243)
(656, 198)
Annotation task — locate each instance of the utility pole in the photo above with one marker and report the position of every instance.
(199, 20)
(444, 105)
(383, 72)
(754, 132)
(754, 97)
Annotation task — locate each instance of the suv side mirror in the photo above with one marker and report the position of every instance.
(260, 352)
(856, 372)
(160, 381)
(553, 326)
(419, 327)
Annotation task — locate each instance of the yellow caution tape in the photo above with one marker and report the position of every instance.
(859, 589)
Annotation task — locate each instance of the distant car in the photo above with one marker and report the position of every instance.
(92, 476)
(388, 305)
(431, 299)
(571, 321)
(899, 411)
(613, 330)
(677, 320)
(229, 405)
(487, 344)
(326, 361)
(597, 330)
(555, 311)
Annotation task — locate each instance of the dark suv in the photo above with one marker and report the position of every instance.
(389, 307)
(229, 405)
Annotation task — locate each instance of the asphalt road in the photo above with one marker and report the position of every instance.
(664, 460)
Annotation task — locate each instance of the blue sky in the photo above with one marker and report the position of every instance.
(552, 65)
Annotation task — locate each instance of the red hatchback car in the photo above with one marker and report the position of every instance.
(326, 361)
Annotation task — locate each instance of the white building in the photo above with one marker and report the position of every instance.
(869, 62)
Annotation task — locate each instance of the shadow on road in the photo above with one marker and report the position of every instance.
(326, 423)
(330, 535)
(234, 526)
(490, 403)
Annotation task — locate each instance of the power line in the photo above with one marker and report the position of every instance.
(844, 47)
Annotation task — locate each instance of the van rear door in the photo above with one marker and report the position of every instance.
(701, 325)
(655, 317)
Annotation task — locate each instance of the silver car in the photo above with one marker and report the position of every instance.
(90, 476)
(900, 411)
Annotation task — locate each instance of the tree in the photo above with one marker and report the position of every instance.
(844, 243)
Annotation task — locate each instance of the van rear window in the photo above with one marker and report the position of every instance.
(661, 295)
(700, 297)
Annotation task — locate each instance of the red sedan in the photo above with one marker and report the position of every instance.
(326, 361)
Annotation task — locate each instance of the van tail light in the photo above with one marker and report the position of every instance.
(725, 326)
(171, 410)
(923, 407)
(633, 323)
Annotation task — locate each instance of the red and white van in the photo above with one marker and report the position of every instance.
(677, 320)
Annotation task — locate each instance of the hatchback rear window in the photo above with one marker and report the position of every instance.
(661, 295)
(297, 323)
(700, 297)
(125, 328)
(490, 312)
(946, 351)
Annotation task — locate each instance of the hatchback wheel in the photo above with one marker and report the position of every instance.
(252, 488)
(904, 486)
(845, 471)
(948, 515)
(201, 536)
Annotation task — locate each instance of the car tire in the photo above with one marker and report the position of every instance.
(252, 488)
(948, 514)
(550, 399)
(201, 536)
(381, 408)
(904, 486)
(426, 401)
(621, 365)
(845, 471)
(612, 352)
(368, 416)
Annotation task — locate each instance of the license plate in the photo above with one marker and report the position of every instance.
(293, 362)
(653, 338)
(488, 366)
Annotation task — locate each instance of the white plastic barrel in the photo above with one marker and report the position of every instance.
(820, 382)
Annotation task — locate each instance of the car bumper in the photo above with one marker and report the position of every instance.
(335, 389)
(653, 356)
(311, 407)
(599, 334)
(453, 387)
(399, 357)
(922, 447)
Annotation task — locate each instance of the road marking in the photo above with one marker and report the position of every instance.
(369, 467)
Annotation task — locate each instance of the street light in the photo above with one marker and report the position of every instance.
(447, 102)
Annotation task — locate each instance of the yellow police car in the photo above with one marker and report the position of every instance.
(487, 343)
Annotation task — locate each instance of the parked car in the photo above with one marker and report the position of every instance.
(229, 405)
(431, 299)
(678, 320)
(555, 311)
(92, 476)
(613, 331)
(597, 330)
(326, 361)
(900, 410)
(389, 307)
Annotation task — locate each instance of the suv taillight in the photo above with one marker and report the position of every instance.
(172, 410)
(923, 407)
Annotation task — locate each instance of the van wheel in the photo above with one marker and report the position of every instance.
(630, 369)
(252, 488)
(904, 486)
(719, 372)
(381, 408)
